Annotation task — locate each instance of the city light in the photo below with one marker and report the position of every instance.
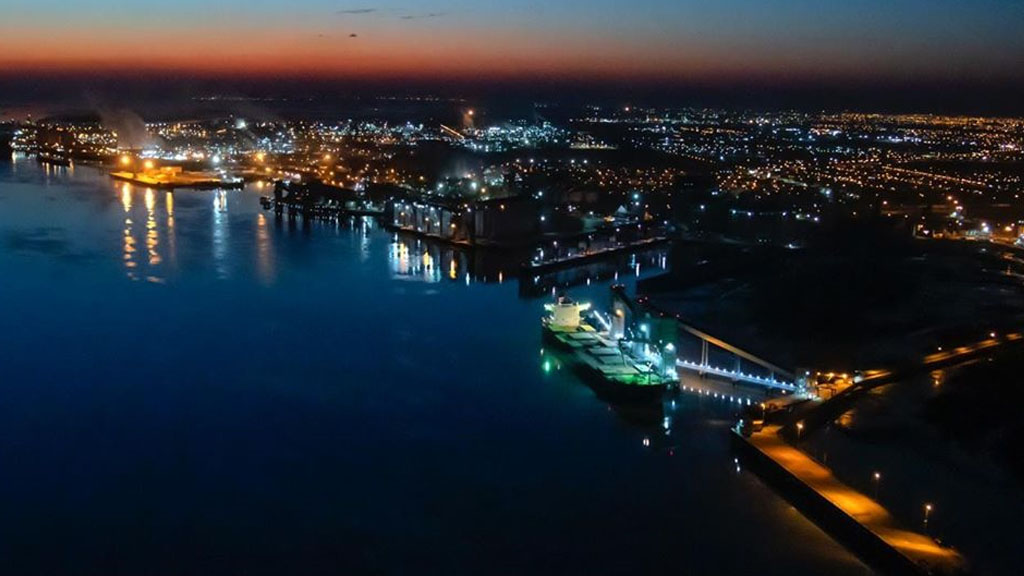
(295, 260)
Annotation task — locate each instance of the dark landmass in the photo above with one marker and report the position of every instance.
(979, 409)
(862, 295)
(6, 133)
(161, 90)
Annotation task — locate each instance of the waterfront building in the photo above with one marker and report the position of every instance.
(510, 221)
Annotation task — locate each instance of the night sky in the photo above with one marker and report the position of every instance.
(849, 43)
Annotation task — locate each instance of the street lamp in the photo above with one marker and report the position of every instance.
(799, 429)
(927, 513)
(877, 476)
(130, 162)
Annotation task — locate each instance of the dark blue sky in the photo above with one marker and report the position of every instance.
(640, 38)
(850, 44)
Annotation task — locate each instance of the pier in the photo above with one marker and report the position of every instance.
(326, 210)
(167, 180)
(856, 520)
(318, 201)
(704, 368)
(860, 522)
(771, 376)
(557, 263)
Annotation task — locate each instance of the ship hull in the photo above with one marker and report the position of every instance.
(608, 388)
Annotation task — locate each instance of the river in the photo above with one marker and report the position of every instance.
(190, 386)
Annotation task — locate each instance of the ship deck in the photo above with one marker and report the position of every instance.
(602, 354)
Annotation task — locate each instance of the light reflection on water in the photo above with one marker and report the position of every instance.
(158, 234)
(264, 250)
(343, 381)
(221, 233)
(152, 236)
(129, 239)
(417, 259)
(172, 245)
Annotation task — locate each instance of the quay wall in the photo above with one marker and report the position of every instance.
(869, 546)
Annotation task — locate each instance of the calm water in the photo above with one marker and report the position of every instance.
(189, 387)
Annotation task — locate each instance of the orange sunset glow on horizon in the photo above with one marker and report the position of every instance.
(359, 43)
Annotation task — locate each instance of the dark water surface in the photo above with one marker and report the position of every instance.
(189, 387)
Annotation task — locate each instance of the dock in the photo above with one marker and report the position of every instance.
(327, 210)
(171, 181)
(412, 231)
(316, 200)
(551, 264)
(853, 518)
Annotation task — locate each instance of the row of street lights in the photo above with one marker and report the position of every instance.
(876, 477)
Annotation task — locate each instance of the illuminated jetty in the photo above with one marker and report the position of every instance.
(538, 265)
(319, 201)
(169, 178)
(609, 364)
